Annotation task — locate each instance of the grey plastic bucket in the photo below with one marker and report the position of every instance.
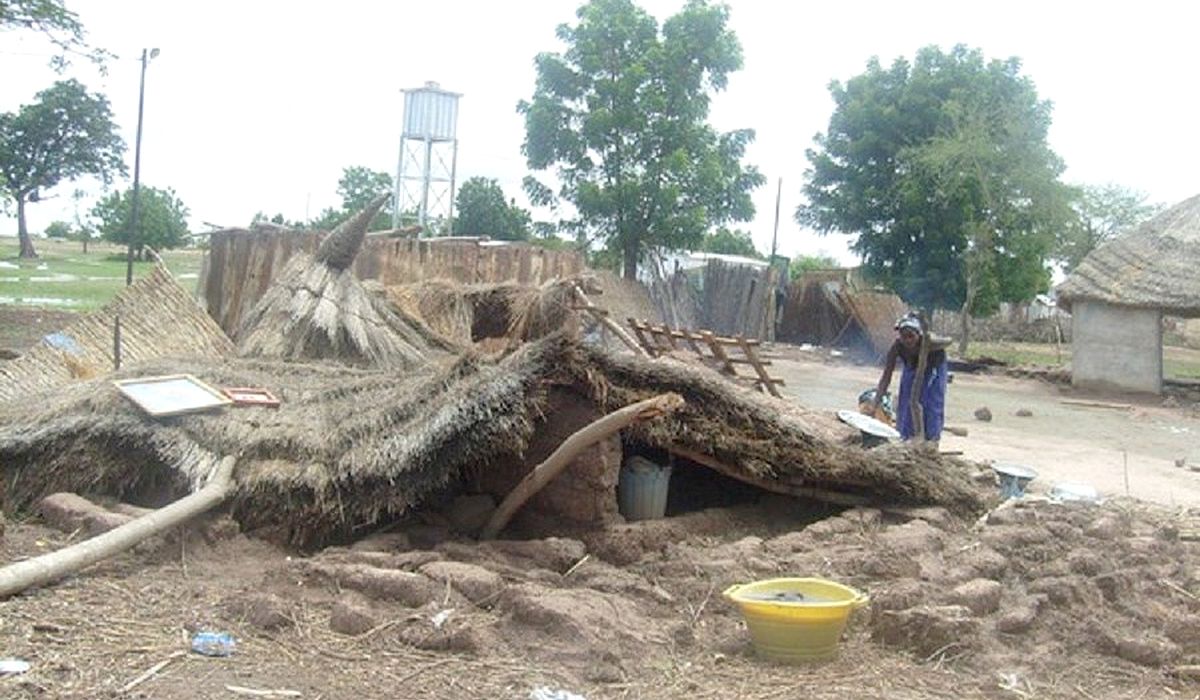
(642, 489)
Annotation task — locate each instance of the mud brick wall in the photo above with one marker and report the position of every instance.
(240, 264)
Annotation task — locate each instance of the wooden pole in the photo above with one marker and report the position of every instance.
(17, 577)
(918, 384)
(586, 436)
(608, 322)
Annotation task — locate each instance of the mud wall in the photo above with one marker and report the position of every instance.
(1116, 347)
(240, 264)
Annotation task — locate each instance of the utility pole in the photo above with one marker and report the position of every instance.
(775, 235)
(137, 169)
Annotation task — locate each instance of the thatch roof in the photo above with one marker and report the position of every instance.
(317, 309)
(349, 447)
(1153, 266)
(158, 318)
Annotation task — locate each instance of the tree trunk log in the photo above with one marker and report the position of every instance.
(15, 578)
(586, 436)
(27, 249)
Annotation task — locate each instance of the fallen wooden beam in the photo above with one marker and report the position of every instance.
(586, 436)
(17, 577)
(1097, 404)
(602, 316)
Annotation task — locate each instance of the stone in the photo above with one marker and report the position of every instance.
(1017, 619)
(986, 562)
(352, 614)
(1147, 651)
(469, 513)
(265, 611)
(981, 596)
(1024, 413)
(475, 582)
(926, 630)
(70, 512)
(984, 414)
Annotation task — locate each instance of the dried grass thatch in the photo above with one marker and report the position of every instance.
(350, 447)
(1153, 266)
(472, 313)
(158, 318)
(316, 309)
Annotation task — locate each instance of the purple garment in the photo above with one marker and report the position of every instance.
(933, 400)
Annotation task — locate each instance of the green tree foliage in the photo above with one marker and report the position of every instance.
(162, 219)
(730, 242)
(59, 230)
(482, 211)
(357, 186)
(808, 263)
(942, 169)
(66, 134)
(1105, 211)
(55, 22)
(621, 118)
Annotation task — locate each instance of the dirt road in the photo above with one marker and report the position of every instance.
(1062, 442)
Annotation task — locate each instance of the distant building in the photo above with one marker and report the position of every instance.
(1119, 293)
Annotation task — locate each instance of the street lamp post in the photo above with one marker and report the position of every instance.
(137, 168)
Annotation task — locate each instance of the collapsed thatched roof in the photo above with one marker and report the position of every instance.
(467, 313)
(1152, 266)
(158, 318)
(350, 447)
(316, 309)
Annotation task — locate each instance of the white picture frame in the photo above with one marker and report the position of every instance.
(171, 395)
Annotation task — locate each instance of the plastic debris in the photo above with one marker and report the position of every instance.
(544, 693)
(12, 667)
(440, 618)
(213, 643)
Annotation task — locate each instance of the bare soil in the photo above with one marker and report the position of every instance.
(22, 326)
(1034, 600)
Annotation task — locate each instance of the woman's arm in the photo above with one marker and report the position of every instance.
(888, 365)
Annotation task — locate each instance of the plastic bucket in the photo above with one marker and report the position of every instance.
(642, 489)
(795, 620)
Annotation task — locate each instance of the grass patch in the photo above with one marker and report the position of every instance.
(65, 277)
(1178, 362)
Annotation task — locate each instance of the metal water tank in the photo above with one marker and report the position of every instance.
(430, 113)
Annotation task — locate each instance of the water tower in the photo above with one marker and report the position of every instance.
(428, 157)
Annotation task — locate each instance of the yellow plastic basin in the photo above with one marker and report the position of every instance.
(794, 620)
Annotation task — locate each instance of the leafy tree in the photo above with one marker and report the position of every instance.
(808, 263)
(54, 21)
(1104, 212)
(59, 230)
(730, 242)
(357, 186)
(482, 211)
(942, 169)
(278, 220)
(162, 219)
(66, 134)
(621, 118)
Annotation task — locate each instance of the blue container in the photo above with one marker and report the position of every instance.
(642, 489)
(213, 643)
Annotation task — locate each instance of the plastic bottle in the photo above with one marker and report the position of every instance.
(213, 643)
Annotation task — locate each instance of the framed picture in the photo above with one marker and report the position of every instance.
(250, 396)
(171, 395)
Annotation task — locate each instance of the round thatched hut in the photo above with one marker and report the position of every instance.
(1118, 294)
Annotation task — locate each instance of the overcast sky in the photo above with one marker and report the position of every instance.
(257, 106)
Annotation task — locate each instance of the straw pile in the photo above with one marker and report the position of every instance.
(158, 318)
(316, 309)
(1152, 266)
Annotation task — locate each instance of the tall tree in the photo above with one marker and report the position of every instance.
(809, 263)
(162, 219)
(1105, 211)
(55, 22)
(66, 134)
(481, 210)
(942, 169)
(621, 118)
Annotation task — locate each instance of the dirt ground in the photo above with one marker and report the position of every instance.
(1034, 600)
(22, 326)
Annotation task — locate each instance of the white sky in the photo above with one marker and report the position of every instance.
(258, 105)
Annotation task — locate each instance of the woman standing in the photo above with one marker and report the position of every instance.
(931, 388)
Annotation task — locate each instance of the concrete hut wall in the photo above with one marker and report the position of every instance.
(1116, 347)
(240, 264)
